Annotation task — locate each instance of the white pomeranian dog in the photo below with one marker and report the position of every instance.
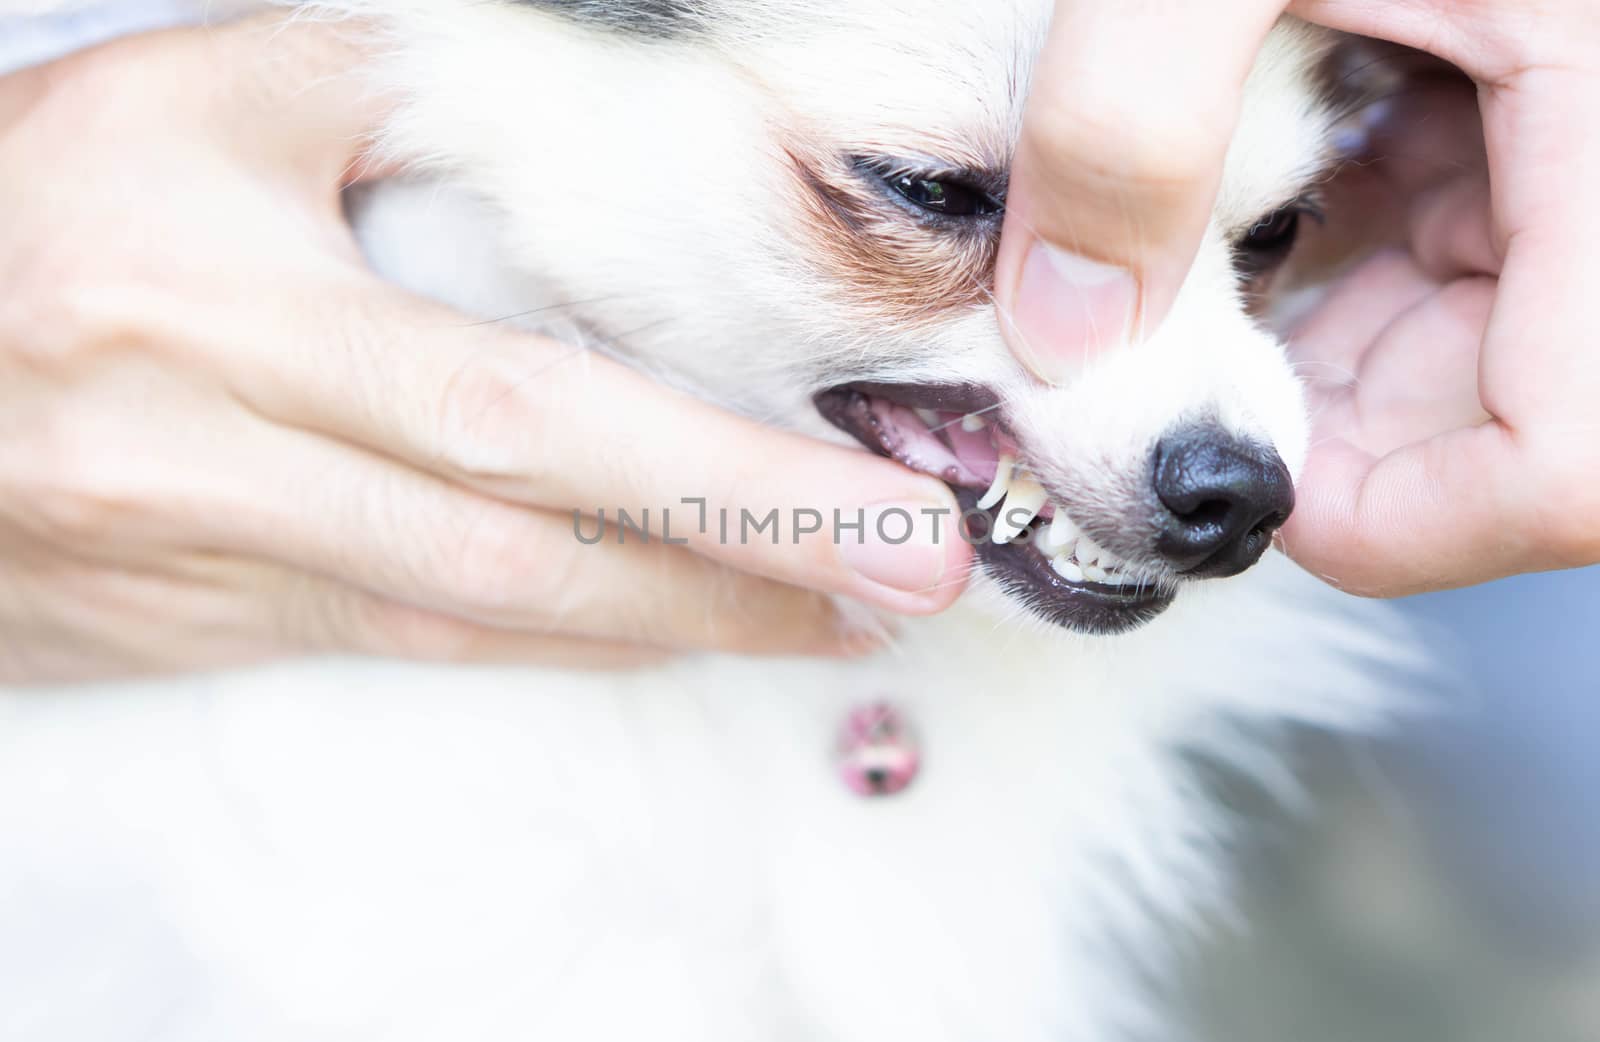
(981, 833)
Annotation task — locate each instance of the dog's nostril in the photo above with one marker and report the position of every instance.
(1209, 512)
(1219, 500)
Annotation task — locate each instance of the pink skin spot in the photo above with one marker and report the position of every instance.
(878, 754)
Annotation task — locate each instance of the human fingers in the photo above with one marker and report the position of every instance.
(526, 419)
(1114, 179)
(319, 507)
(306, 613)
(75, 618)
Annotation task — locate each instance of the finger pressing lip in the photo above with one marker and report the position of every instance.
(314, 505)
(525, 419)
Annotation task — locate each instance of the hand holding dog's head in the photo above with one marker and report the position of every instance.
(768, 230)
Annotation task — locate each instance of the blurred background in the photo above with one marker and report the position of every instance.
(1441, 883)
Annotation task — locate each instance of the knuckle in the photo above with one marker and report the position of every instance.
(1120, 144)
(56, 330)
(74, 498)
(63, 310)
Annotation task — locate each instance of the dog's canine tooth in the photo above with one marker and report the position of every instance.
(1002, 481)
(1024, 497)
(972, 423)
(1089, 551)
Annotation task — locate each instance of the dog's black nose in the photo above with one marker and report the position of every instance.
(1220, 499)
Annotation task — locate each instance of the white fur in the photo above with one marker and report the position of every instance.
(359, 850)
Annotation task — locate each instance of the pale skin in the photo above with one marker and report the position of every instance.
(223, 440)
(1464, 444)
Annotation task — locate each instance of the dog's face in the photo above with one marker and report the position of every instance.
(794, 209)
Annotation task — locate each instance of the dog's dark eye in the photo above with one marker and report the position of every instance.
(1267, 244)
(947, 198)
(1274, 233)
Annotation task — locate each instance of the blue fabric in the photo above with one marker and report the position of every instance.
(1509, 771)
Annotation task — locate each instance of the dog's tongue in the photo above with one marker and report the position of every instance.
(914, 444)
(947, 450)
(979, 450)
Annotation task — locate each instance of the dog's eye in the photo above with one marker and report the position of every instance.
(1267, 244)
(1273, 234)
(947, 198)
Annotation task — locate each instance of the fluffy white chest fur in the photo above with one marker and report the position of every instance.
(360, 850)
(377, 851)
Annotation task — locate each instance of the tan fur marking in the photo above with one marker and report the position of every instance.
(883, 258)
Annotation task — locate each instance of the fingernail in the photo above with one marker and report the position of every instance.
(1068, 308)
(903, 546)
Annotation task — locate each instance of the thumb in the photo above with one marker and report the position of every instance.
(1123, 139)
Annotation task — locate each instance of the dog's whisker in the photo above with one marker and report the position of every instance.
(545, 309)
(997, 406)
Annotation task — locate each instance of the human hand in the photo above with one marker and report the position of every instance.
(1465, 448)
(222, 439)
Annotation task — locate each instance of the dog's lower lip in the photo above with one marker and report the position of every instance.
(1085, 607)
(1088, 607)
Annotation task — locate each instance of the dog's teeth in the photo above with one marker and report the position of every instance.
(1025, 497)
(972, 423)
(1094, 573)
(1060, 535)
(928, 416)
(1002, 481)
(1067, 568)
(1089, 551)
